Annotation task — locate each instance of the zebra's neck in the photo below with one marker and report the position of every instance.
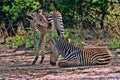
(65, 48)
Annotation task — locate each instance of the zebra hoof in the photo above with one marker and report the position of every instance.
(41, 62)
(63, 65)
(52, 63)
(33, 64)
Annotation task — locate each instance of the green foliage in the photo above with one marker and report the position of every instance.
(52, 7)
(83, 13)
(86, 14)
(17, 40)
(20, 39)
(77, 14)
(29, 43)
(5, 8)
(66, 33)
(15, 8)
(114, 45)
(2, 79)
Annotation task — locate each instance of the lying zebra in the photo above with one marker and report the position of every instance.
(75, 56)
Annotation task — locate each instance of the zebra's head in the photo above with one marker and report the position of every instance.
(54, 51)
(37, 18)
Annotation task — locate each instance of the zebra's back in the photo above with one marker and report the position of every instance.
(96, 56)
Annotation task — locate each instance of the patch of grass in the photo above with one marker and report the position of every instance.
(18, 40)
(26, 37)
(114, 45)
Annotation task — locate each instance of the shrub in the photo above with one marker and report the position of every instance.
(114, 45)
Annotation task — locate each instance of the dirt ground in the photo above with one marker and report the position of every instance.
(17, 66)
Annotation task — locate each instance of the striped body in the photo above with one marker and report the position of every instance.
(76, 56)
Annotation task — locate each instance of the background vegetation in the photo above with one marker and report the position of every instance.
(99, 19)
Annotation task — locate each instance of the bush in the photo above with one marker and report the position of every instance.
(19, 39)
(114, 45)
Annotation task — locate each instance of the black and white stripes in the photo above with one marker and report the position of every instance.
(55, 18)
(79, 56)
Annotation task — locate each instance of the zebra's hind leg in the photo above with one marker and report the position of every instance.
(42, 57)
(40, 47)
(34, 38)
(65, 63)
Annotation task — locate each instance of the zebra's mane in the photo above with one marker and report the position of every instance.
(69, 41)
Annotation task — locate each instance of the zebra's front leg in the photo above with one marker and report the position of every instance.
(42, 48)
(34, 37)
(40, 45)
(65, 63)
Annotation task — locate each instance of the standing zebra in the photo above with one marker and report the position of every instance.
(40, 24)
(47, 23)
(75, 56)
